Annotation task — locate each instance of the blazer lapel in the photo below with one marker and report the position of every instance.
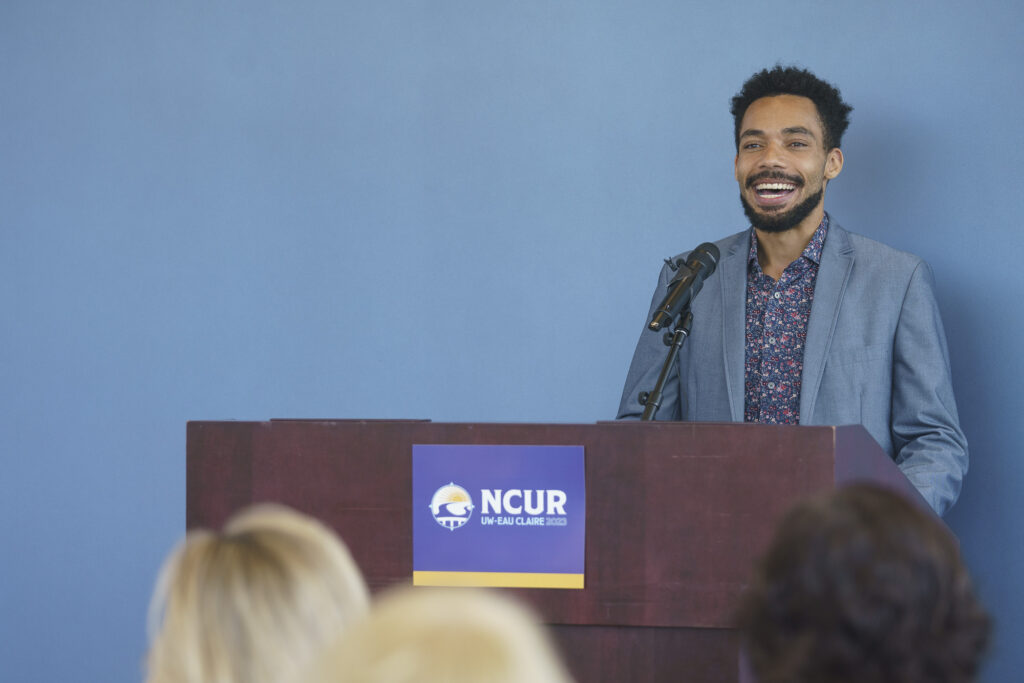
(734, 315)
(833, 274)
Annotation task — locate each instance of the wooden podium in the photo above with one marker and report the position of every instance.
(676, 515)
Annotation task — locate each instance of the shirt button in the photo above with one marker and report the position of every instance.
(771, 385)
(778, 295)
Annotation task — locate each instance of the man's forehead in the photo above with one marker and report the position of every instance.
(781, 112)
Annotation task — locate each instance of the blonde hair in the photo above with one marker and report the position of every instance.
(254, 603)
(431, 635)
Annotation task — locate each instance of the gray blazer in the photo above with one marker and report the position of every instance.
(875, 355)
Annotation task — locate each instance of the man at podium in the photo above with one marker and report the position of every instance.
(801, 321)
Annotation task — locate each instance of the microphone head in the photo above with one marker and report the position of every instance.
(686, 284)
(704, 257)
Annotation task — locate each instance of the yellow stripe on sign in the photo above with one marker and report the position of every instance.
(497, 579)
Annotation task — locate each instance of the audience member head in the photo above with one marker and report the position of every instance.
(435, 635)
(254, 603)
(862, 586)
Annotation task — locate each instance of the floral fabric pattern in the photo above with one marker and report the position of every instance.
(776, 329)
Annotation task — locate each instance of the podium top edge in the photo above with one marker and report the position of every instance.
(602, 423)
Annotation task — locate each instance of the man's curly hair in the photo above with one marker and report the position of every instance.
(789, 80)
(861, 586)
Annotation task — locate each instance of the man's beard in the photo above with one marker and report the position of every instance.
(781, 222)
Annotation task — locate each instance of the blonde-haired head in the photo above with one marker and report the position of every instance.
(436, 635)
(254, 603)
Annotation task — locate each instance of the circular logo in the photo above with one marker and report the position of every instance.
(451, 506)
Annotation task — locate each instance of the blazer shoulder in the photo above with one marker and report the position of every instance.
(726, 245)
(872, 252)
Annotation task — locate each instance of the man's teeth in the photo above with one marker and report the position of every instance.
(773, 190)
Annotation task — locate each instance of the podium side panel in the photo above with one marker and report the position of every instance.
(860, 458)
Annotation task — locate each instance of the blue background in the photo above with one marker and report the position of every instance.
(448, 209)
(475, 547)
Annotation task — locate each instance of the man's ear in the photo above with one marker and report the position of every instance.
(833, 163)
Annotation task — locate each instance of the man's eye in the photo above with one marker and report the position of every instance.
(751, 145)
(797, 143)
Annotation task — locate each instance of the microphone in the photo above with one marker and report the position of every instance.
(686, 284)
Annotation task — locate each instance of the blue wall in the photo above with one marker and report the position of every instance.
(452, 210)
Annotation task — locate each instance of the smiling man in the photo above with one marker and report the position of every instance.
(804, 322)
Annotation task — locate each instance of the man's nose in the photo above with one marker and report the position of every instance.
(772, 156)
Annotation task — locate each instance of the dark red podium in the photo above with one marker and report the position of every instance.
(676, 514)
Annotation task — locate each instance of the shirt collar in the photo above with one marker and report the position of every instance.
(812, 252)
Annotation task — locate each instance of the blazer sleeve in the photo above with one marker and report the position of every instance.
(930, 447)
(648, 358)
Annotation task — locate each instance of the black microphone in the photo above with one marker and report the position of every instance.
(686, 284)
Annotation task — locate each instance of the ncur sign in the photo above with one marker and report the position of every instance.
(530, 501)
(518, 502)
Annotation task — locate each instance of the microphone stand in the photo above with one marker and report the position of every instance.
(652, 400)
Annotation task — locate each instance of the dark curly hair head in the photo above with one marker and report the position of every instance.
(789, 80)
(862, 586)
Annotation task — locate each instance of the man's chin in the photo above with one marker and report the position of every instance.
(772, 223)
(781, 221)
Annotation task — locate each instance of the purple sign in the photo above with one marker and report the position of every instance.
(498, 515)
